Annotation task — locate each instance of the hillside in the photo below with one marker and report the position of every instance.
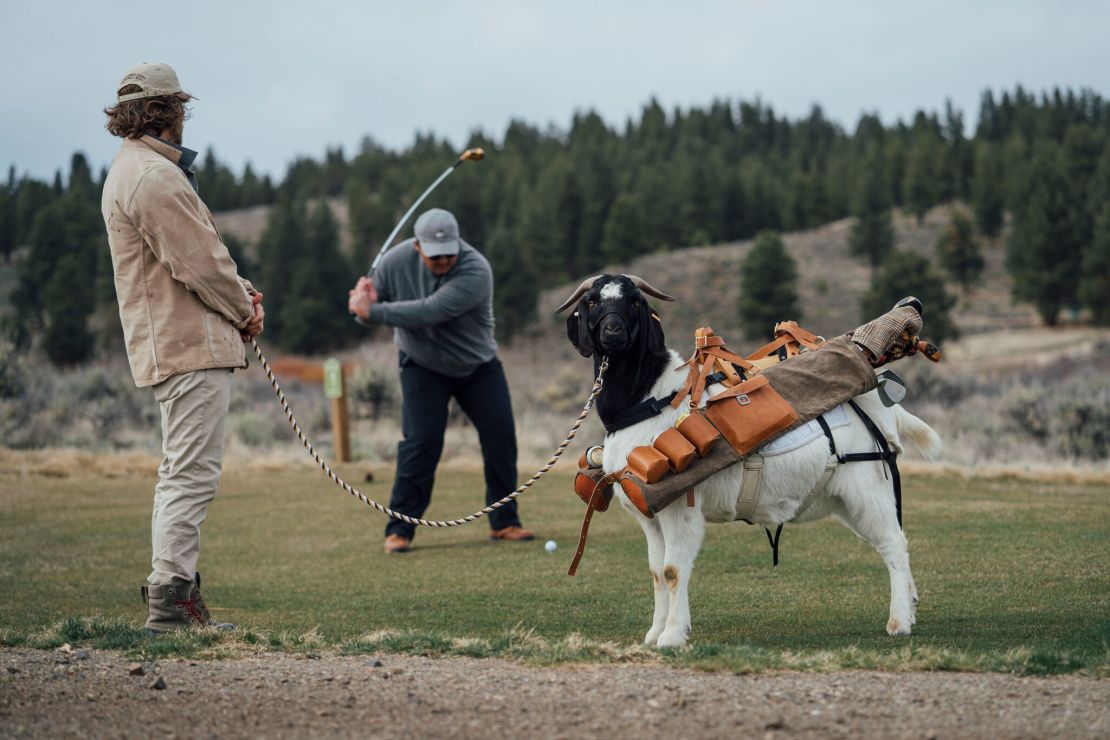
(832, 282)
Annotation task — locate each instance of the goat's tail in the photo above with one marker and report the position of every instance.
(920, 434)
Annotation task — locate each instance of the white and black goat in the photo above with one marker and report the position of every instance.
(613, 319)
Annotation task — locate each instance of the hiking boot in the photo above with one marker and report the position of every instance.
(397, 543)
(893, 335)
(203, 609)
(511, 534)
(170, 607)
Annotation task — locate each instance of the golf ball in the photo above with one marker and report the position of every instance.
(550, 546)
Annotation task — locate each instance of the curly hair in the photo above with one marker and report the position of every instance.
(132, 119)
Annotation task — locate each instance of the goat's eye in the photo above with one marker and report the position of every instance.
(591, 304)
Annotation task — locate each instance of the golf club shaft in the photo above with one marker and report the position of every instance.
(475, 154)
(400, 224)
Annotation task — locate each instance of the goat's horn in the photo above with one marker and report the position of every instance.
(646, 287)
(582, 288)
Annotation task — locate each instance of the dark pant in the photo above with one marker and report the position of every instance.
(484, 397)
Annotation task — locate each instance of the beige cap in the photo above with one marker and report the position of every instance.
(155, 79)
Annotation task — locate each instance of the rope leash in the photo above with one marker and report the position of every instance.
(594, 392)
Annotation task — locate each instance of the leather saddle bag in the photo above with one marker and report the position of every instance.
(750, 413)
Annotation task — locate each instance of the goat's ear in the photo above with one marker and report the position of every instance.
(578, 330)
(652, 328)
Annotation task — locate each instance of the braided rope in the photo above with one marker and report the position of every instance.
(594, 392)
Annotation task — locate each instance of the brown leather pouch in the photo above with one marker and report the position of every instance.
(749, 414)
(584, 484)
(631, 488)
(647, 463)
(678, 450)
(699, 432)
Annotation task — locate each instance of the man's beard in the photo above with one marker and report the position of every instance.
(178, 131)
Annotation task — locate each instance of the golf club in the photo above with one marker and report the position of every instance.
(475, 154)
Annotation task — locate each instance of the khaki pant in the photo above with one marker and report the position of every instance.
(194, 406)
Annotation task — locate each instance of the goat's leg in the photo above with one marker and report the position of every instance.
(871, 516)
(655, 563)
(683, 529)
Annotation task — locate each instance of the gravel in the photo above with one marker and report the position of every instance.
(101, 694)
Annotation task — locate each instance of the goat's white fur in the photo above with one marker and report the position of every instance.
(858, 494)
(611, 291)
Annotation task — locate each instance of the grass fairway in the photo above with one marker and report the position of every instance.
(1013, 575)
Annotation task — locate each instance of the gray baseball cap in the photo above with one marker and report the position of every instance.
(438, 233)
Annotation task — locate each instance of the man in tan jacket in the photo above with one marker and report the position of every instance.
(186, 314)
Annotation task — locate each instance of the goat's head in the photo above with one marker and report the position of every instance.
(613, 319)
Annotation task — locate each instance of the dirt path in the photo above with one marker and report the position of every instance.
(93, 694)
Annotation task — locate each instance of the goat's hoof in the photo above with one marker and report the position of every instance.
(672, 638)
(897, 627)
(652, 636)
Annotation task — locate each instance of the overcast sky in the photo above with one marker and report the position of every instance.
(281, 79)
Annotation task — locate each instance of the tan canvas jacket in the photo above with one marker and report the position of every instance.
(181, 301)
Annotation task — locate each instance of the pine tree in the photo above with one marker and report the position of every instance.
(516, 282)
(68, 298)
(279, 251)
(56, 282)
(552, 221)
(873, 233)
(624, 237)
(768, 287)
(959, 250)
(920, 188)
(1094, 281)
(8, 224)
(988, 190)
(1045, 249)
(903, 274)
(314, 314)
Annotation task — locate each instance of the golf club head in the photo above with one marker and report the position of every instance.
(477, 153)
(892, 388)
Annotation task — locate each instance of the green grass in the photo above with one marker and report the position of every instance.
(1013, 577)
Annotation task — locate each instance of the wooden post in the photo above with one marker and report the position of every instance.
(340, 428)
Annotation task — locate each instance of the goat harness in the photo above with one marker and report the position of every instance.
(750, 413)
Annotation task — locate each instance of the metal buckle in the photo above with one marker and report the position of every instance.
(743, 399)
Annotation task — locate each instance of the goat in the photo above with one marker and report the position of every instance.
(614, 320)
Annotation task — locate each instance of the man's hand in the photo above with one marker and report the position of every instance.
(361, 297)
(254, 326)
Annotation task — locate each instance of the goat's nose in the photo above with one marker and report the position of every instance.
(611, 329)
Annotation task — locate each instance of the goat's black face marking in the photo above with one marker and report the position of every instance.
(610, 318)
(613, 319)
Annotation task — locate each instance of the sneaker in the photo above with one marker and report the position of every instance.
(397, 543)
(512, 534)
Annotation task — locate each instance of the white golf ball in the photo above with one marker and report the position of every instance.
(550, 546)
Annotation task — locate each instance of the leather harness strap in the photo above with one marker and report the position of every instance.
(595, 500)
(709, 349)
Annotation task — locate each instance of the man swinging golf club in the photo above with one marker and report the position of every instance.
(436, 291)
